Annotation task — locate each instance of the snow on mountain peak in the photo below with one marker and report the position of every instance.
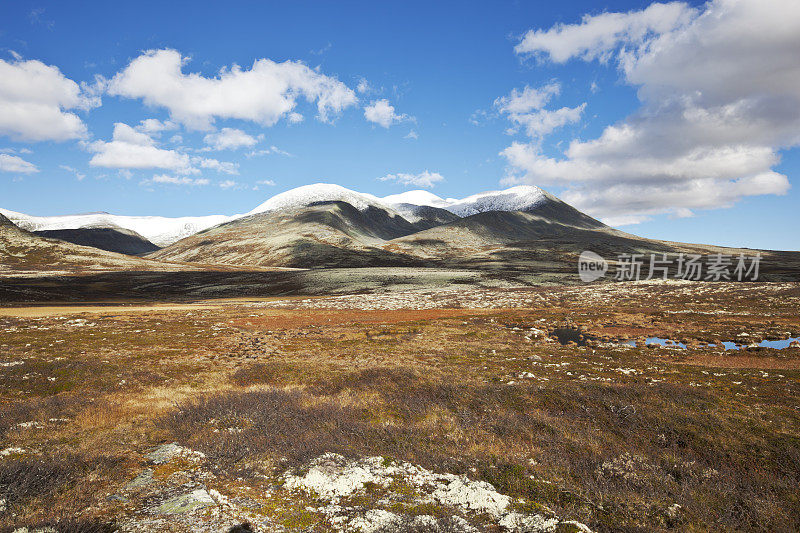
(318, 192)
(163, 231)
(519, 198)
(417, 197)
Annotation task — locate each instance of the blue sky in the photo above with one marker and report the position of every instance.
(448, 71)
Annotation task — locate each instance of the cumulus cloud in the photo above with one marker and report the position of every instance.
(153, 126)
(227, 184)
(133, 149)
(13, 163)
(213, 164)
(381, 112)
(528, 99)
(424, 179)
(363, 86)
(130, 148)
(598, 36)
(525, 109)
(262, 94)
(229, 139)
(720, 97)
(35, 102)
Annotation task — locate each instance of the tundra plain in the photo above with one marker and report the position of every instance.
(420, 409)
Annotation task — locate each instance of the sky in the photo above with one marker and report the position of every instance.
(676, 121)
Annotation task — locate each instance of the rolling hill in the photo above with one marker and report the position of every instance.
(118, 240)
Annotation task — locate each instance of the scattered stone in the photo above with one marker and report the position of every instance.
(166, 452)
(197, 499)
(142, 480)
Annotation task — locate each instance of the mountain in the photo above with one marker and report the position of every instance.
(160, 231)
(422, 208)
(319, 192)
(322, 234)
(519, 198)
(423, 216)
(22, 251)
(417, 197)
(326, 225)
(120, 240)
(513, 237)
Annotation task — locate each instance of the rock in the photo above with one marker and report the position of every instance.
(144, 478)
(672, 515)
(164, 453)
(197, 499)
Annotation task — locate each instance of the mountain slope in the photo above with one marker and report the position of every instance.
(502, 236)
(323, 234)
(22, 251)
(422, 208)
(118, 240)
(160, 231)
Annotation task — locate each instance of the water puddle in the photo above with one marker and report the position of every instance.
(668, 343)
(776, 345)
(568, 335)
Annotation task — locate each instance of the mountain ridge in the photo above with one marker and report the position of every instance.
(163, 231)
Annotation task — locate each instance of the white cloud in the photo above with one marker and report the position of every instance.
(527, 100)
(382, 113)
(263, 94)
(363, 86)
(424, 179)
(720, 97)
(267, 151)
(525, 109)
(35, 100)
(16, 151)
(176, 180)
(152, 126)
(227, 184)
(13, 163)
(220, 166)
(229, 139)
(597, 36)
(73, 170)
(320, 51)
(133, 149)
(268, 183)
(412, 135)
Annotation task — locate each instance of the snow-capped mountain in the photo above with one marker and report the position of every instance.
(519, 198)
(163, 231)
(418, 197)
(319, 192)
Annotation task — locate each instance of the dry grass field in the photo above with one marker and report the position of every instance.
(440, 410)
